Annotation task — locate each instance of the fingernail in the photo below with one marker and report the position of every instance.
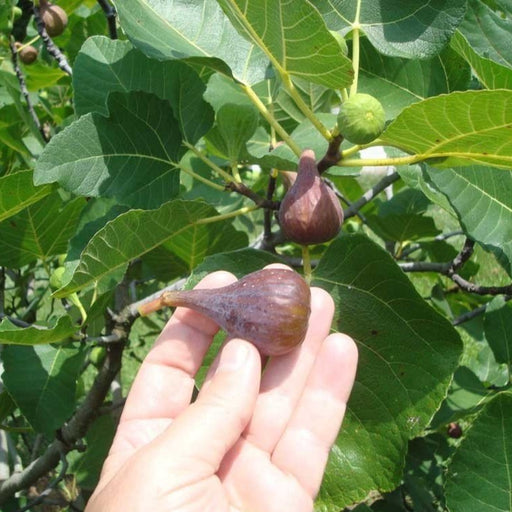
(233, 357)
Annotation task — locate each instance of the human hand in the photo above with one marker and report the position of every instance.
(251, 442)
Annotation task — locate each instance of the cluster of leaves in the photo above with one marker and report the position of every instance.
(164, 163)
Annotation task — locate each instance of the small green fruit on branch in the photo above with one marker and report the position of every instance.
(270, 308)
(361, 118)
(310, 212)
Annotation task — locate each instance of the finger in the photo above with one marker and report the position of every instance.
(316, 420)
(284, 377)
(214, 422)
(165, 381)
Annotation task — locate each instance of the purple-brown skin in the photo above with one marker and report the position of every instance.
(310, 212)
(270, 308)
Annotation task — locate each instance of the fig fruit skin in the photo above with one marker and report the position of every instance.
(270, 308)
(361, 118)
(27, 54)
(310, 212)
(54, 17)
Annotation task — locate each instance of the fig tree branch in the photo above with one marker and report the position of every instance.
(110, 14)
(370, 194)
(71, 433)
(50, 46)
(24, 91)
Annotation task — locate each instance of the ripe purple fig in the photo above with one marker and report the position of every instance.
(310, 212)
(270, 308)
(54, 17)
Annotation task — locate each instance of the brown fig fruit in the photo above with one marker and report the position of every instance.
(270, 308)
(310, 212)
(54, 17)
(27, 54)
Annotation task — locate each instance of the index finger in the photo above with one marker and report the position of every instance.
(164, 384)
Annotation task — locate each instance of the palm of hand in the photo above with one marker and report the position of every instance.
(250, 442)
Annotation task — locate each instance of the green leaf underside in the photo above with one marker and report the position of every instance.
(478, 478)
(487, 33)
(175, 224)
(294, 37)
(192, 29)
(10, 334)
(17, 191)
(39, 231)
(42, 382)
(491, 74)
(460, 128)
(130, 156)
(407, 356)
(104, 66)
(412, 29)
(482, 199)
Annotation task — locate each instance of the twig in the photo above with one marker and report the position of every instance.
(268, 212)
(50, 46)
(51, 486)
(439, 238)
(24, 91)
(469, 315)
(15, 321)
(110, 14)
(370, 194)
(332, 155)
(77, 426)
(425, 266)
(244, 190)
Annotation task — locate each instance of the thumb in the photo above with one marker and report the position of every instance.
(198, 439)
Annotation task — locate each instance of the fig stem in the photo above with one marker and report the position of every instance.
(151, 306)
(356, 31)
(306, 263)
(297, 98)
(272, 121)
(208, 162)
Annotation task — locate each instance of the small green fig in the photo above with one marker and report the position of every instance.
(310, 212)
(56, 278)
(361, 118)
(270, 308)
(54, 17)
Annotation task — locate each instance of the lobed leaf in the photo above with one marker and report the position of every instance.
(491, 74)
(39, 231)
(460, 128)
(399, 82)
(176, 223)
(482, 199)
(104, 66)
(132, 155)
(196, 29)
(414, 29)
(42, 382)
(487, 33)
(17, 191)
(478, 476)
(294, 37)
(498, 329)
(10, 334)
(407, 356)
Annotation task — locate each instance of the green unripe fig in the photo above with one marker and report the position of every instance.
(56, 278)
(27, 54)
(341, 41)
(16, 12)
(361, 118)
(97, 356)
(54, 17)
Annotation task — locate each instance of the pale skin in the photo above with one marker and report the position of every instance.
(253, 441)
